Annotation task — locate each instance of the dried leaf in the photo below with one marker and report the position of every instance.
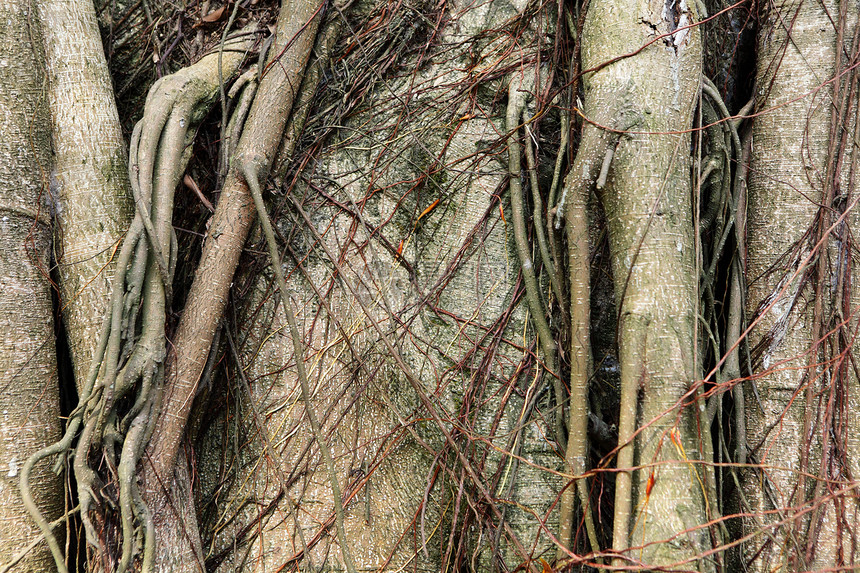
(215, 15)
(432, 206)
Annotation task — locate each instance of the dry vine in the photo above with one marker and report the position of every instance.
(122, 404)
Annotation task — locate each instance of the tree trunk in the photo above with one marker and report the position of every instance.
(427, 300)
(637, 111)
(800, 404)
(29, 401)
(425, 254)
(90, 174)
(164, 476)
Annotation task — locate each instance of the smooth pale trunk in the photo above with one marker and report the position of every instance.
(661, 508)
(89, 180)
(789, 161)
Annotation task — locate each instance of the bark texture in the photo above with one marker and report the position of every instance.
(229, 229)
(297, 23)
(797, 406)
(89, 181)
(403, 229)
(637, 109)
(29, 403)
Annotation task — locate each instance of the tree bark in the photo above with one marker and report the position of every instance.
(636, 147)
(790, 414)
(445, 300)
(297, 24)
(229, 229)
(424, 367)
(29, 401)
(90, 175)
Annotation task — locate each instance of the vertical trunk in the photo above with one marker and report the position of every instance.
(660, 508)
(29, 403)
(89, 181)
(261, 135)
(800, 406)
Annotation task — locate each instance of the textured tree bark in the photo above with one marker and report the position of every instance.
(577, 191)
(229, 229)
(89, 181)
(635, 147)
(790, 404)
(297, 24)
(444, 301)
(29, 402)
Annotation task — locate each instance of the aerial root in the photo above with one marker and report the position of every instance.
(131, 350)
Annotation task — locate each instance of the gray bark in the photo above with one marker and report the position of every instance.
(29, 402)
(452, 281)
(660, 510)
(89, 181)
(787, 414)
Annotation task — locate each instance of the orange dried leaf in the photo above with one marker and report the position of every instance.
(214, 15)
(432, 206)
(649, 485)
(674, 435)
